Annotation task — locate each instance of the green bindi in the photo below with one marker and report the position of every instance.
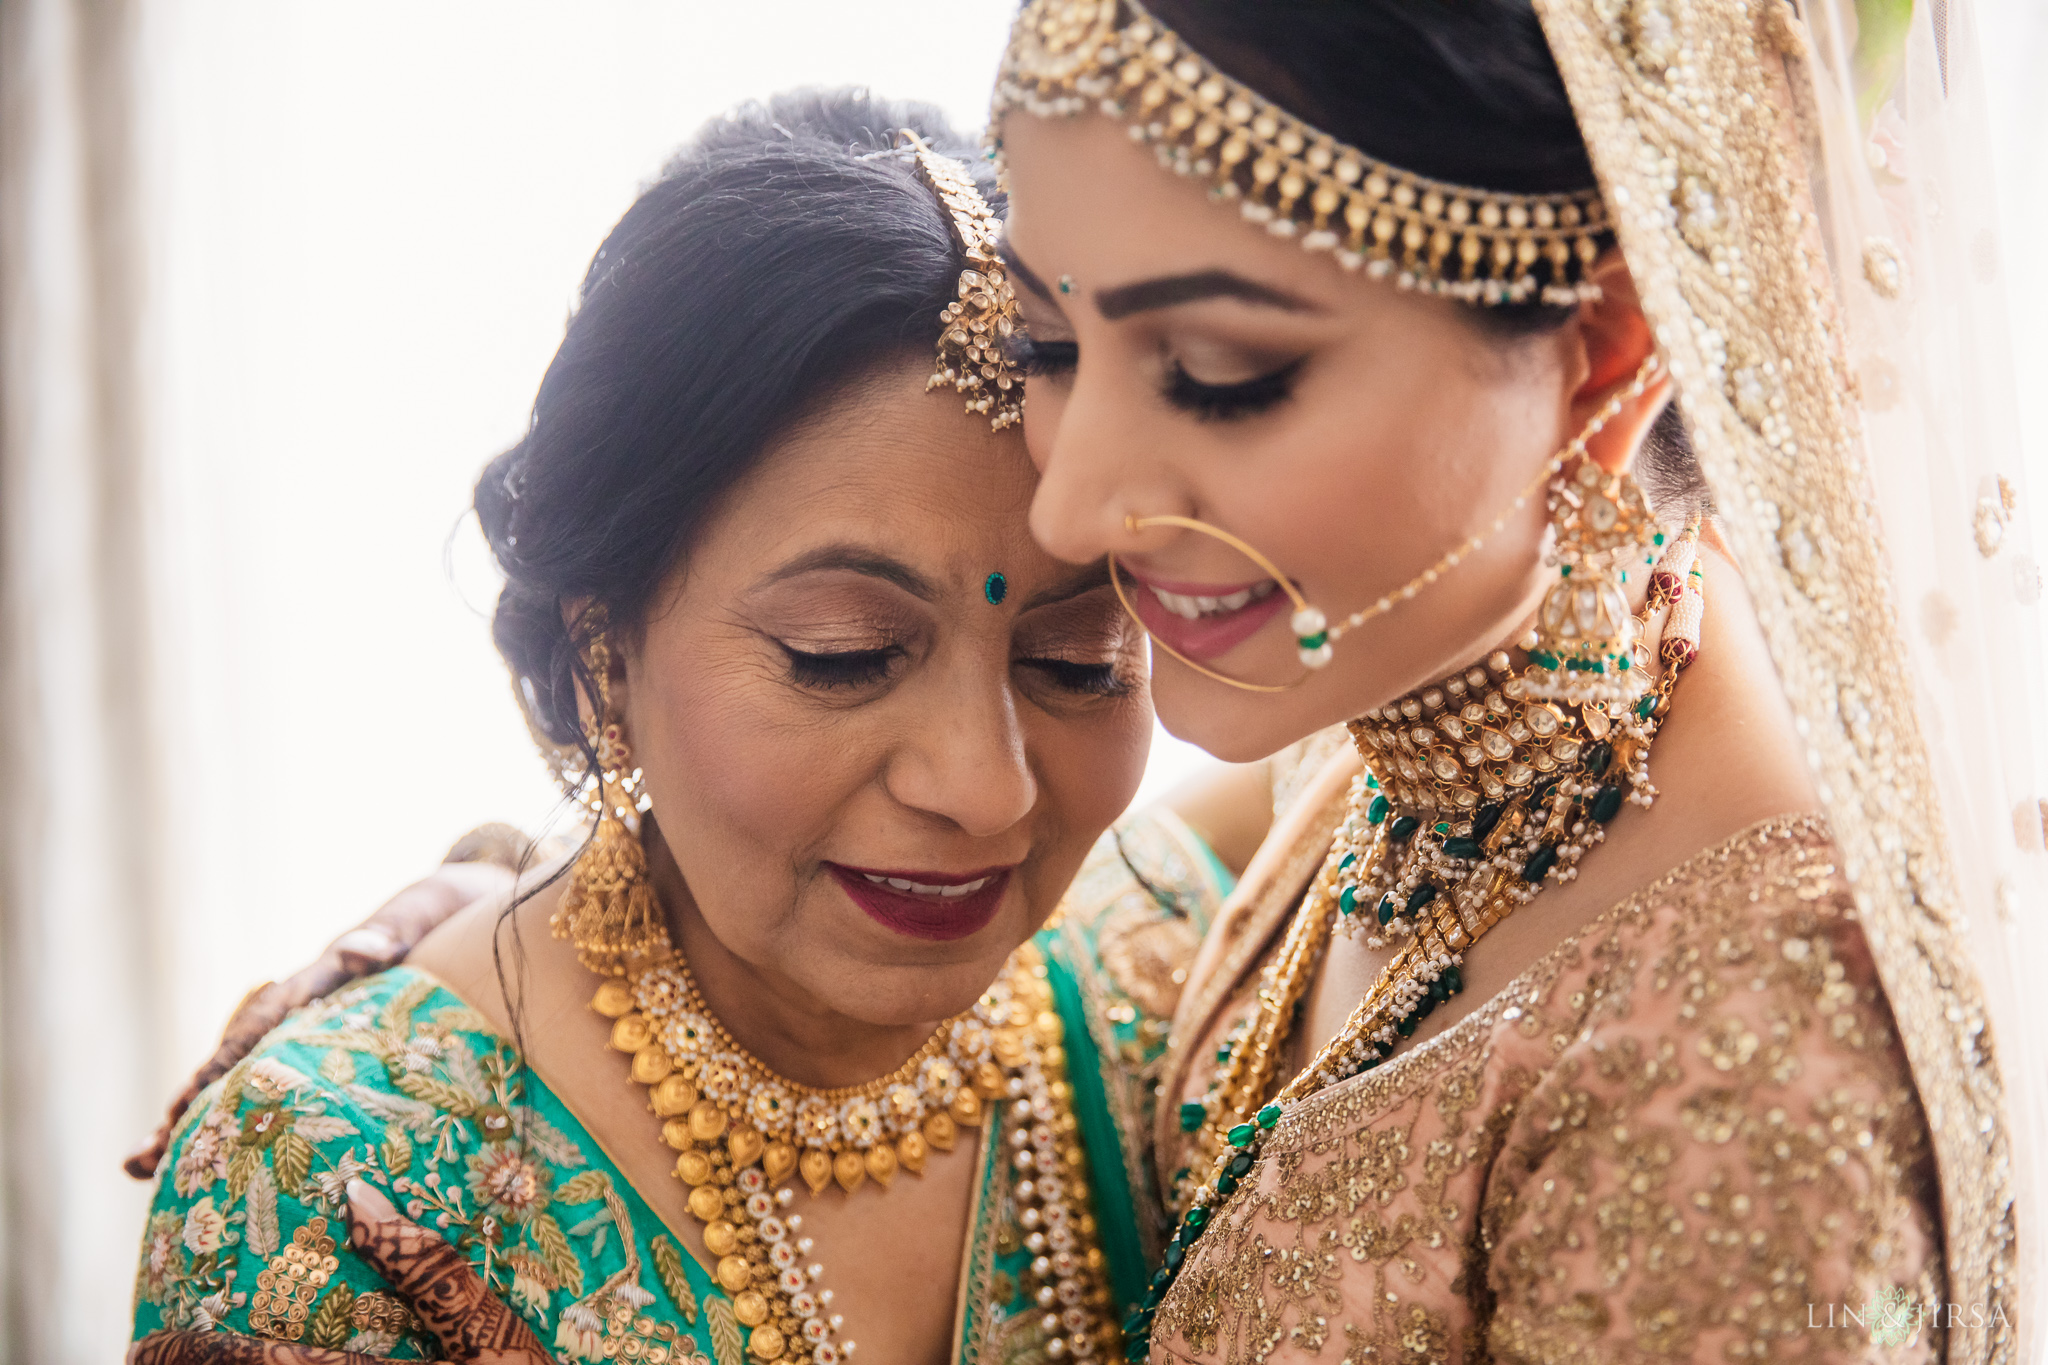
(995, 588)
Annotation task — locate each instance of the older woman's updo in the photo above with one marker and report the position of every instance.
(776, 260)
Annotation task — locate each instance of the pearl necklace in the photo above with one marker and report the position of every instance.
(741, 1130)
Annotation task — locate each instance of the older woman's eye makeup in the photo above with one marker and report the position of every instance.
(841, 669)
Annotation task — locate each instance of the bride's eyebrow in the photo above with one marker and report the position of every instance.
(860, 560)
(1170, 291)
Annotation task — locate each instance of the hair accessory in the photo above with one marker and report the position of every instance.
(1069, 56)
(609, 910)
(995, 588)
(974, 352)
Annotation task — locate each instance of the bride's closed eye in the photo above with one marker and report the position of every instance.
(1211, 402)
(1043, 359)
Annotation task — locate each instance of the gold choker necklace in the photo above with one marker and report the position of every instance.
(741, 1130)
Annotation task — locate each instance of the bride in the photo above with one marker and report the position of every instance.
(1611, 998)
(788, 1062)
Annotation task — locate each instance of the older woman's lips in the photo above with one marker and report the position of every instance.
(1226, 615)
(937, 906)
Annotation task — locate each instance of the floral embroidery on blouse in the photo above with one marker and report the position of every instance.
(396, 1082)
(1681, 1135)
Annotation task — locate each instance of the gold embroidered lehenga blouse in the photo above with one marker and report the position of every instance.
(1687, 1132)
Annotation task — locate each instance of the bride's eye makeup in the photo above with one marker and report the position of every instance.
(1081, 646)
(1228, 402)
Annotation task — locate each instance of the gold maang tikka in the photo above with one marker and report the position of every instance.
(974, 349)
(609, 909)
(1068, 57)
(1315, 635)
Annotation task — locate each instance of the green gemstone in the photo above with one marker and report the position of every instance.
(1198, 1217)
(1137, 1348)
(1240, 1166)
(1442, 827)
(1368, 1064)
(1223, 1053)
(1372, 783)
(1419, 897)
(1194, 1111)
(1347, 902)
(1269, 1116)
(1461, 848)
(1405, 1026)
(1565, 572)
(1646, 706)
(1621, 663)
(1403, 828)
(1377, 811)
(1387, 910)
(1136, 1323)
(1242, 1135)
(1349, 859)
(1226, 1184)
(1539, 864)
(1438, 991)
(1176, 1252)
(1453, 979)
(1315, 641)
(1607, 804)
(1657, 539)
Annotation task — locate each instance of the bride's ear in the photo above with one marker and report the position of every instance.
(1614, 339)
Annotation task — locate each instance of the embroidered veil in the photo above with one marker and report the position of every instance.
(1808, 212)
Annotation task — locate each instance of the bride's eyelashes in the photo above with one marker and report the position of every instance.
(1228, 402)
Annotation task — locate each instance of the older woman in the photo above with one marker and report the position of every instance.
(786, 1058)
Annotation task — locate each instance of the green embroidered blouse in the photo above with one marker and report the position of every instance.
(397, 1082)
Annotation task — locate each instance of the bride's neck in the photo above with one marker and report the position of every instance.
(783, 1025)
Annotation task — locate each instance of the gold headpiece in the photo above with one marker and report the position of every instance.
(1069, 56)
(974, 355)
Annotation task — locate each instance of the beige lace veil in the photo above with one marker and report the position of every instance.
(1804, 198)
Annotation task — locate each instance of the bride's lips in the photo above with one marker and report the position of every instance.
(1209, 636)
(932, 906)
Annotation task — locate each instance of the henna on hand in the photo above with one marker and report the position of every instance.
(438, 1284)
(379, 942)
(225, 1348)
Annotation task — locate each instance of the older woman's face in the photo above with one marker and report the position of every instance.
(876, 780)
(1189, 364)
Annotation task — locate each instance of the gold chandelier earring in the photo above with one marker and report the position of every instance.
(1586, 647)
(609, 909)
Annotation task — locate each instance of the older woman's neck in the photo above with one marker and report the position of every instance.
(784, 1025)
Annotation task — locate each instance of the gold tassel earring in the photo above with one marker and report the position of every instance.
(609, 910)
(1586, 645)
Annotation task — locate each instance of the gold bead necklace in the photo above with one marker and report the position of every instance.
(741, 1130)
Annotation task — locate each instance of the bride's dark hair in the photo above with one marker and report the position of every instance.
(1459, 90)
(778, 257)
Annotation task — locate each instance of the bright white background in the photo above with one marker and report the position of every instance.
(369, 220)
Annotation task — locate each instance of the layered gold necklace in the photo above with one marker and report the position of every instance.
(741, 1130)
(1474, 798)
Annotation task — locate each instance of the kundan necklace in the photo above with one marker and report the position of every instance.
(1475, 797)
(741, 1130)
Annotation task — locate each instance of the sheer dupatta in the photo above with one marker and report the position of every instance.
(1804, 200)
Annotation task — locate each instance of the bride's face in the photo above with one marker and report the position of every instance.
(1186, 363)
(876, 780)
